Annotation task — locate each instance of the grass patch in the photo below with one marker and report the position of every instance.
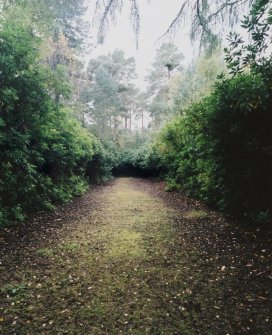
(70, 246)
(44, 252)
(126, 244)
(195, 214)
(15, 290)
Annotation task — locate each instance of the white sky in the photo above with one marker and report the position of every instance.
(156, 16)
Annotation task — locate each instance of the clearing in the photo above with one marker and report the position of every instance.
(129, 258)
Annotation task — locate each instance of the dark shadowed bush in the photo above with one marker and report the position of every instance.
(221, 150)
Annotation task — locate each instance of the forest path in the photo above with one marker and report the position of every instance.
(129, 259)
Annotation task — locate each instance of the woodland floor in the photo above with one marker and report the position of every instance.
(129, 258)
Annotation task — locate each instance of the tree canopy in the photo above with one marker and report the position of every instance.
(205, 17)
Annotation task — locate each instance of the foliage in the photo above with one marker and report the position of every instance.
(258, 24)
(217, 149)
(137, 156)
(105, 159)
(197, 80)
(61, 27)
(167, 63)
(244, 143)
(44, 152)
(110, 93)
(220, 151)
(50, 17)
(143, 161)
(146, 161)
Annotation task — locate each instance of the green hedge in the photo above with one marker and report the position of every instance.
(44, 152)
(221, 150)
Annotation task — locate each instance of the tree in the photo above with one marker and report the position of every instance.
(167, 63)
(203, 16)
(254, 54)
(52, 21)
(67, 14)
(122, 69)
(50, 17)
(103, 96)
(141, 108)
(197, 80)
(111, 91)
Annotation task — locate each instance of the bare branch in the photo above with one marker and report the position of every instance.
(104, 21)
(135, 18)
(228, 4)
(104, 12)
(181, 14)
(202, 21)
(6, 6)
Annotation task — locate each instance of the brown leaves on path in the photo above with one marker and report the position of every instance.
(130, 258)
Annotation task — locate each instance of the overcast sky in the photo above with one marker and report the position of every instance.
(156, 16)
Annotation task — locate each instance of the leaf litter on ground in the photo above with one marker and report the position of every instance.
(130, 258)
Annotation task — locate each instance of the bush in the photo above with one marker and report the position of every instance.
(221, 150)
(142, 162)
(44, 152)
(105, 159)
(241, 128)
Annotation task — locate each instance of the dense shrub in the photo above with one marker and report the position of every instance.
(44, 152)
(185, 149)
(135, 155)
(143, 162)
(221, 150)
(105, 159)
(147, 162)
(241, 128)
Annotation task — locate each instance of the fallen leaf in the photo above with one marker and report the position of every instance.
(262, 298)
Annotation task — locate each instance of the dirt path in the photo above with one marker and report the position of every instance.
(129, 259)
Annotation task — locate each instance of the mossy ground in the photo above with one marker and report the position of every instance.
(127, 267)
